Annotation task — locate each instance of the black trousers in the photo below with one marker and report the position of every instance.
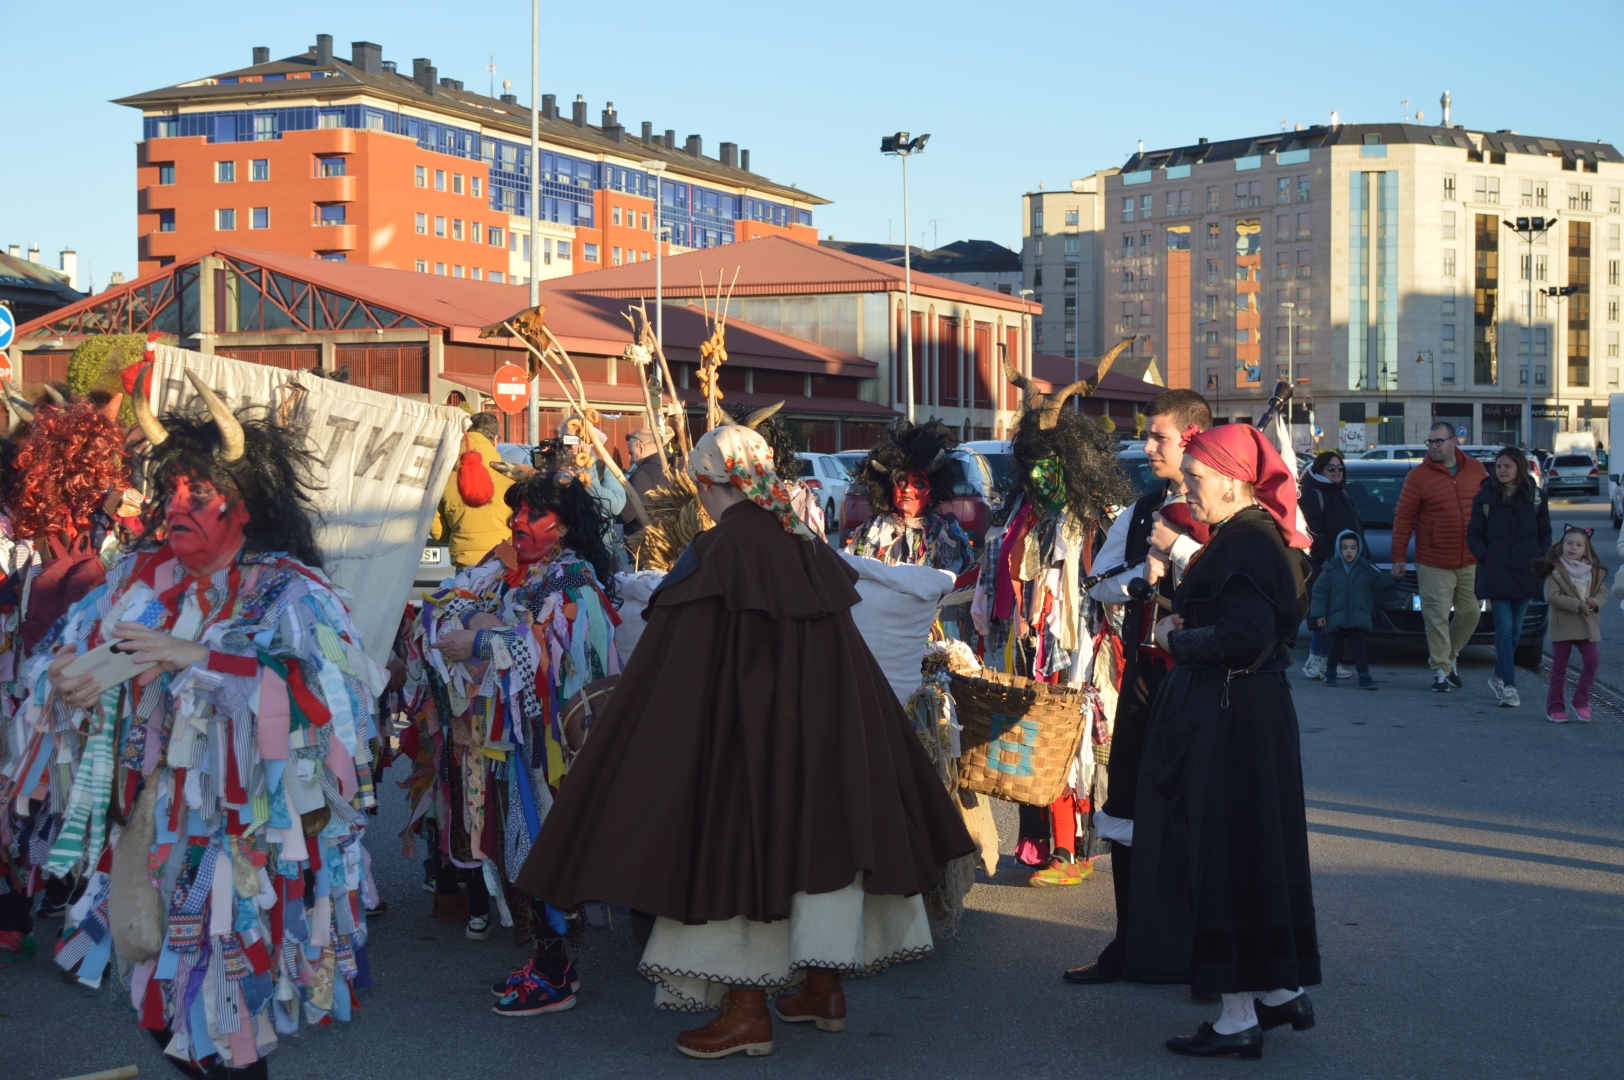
(1352, 642)
(479, 898)
(1110, 957)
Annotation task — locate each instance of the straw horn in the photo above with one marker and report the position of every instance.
(55, 395)
(754, 420)
(15, 402)
(230, 430)
(150, 427)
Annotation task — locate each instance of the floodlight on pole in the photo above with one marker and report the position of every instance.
(1528, 228)
(658, 169)
(902, 146)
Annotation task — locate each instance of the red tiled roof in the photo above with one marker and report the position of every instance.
(775, 266)
(1050, 372)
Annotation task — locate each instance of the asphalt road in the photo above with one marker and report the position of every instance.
(1469, 880)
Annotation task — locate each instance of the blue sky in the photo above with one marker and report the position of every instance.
(1013, 96)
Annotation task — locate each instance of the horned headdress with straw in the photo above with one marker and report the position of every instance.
(247, 455)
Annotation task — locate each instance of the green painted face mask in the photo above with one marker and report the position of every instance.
(1047, 480)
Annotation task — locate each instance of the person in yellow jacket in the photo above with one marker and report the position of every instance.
(473, 515)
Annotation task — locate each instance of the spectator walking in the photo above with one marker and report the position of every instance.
(1574, 587)
(1510, 529)
(1436, 507)
(1344, 603)
(1328, 510)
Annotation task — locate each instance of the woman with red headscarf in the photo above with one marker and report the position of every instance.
(1221, 895)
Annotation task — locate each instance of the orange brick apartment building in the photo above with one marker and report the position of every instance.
(352, 161)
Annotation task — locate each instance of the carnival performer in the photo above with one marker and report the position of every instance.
(60, 516)
(907, 480)
(800, 821)
(497, 655)
(1138, 539)
(802, 499)
(237, 756)
(1222, 896)
(1029, 602)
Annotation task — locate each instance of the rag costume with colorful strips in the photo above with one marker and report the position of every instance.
(259, 766)
(489, 740)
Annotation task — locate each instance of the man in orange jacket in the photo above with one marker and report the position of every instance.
(1436, 504)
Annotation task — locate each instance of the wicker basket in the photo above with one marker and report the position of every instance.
(1020, 737)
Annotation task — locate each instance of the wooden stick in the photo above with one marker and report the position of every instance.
(127, 1072)
(594, 440)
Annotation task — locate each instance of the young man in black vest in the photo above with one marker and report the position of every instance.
(1145, 546)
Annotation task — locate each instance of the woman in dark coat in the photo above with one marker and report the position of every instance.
(1327, 509)
(753, 782)
(1511, 527)
(1222, 897)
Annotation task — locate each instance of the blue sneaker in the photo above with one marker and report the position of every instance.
(534, 996)
(503, 988)
(1330, 678)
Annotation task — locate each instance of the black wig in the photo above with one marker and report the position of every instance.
(780, 440)
(562, 492)
(908, 448)
(273, 477)
(1094, 478)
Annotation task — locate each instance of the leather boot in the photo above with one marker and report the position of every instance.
(819, 999)
(743, 1023)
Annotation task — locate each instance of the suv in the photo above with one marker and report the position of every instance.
(1573, 472)
(826, 477)
(1375, 487)
(975, 495)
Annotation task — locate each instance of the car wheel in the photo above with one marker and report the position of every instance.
(1528, 656)
(830, 521)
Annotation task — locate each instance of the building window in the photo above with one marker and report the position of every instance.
(422, 224)
(422, 267)
(1128, 205)
(1486, 189)
(494, 236)
(476, 232)
(1449, 337)
(439, 268)
(1449, 262)
(1448, 298)
(473, 186)
(1541, 263)
(259, 169)
(225, 220)
(1446, 372)
(332, 214)
(1305, 188)
(1578, 197)
(264, 128)
(1212, 309)
(1145, 207)
(496, 276)
(334, 256)
(1526, 198)
(1214, 232)
(1541, 193)
(1305, 226)
(1449, 225)
(476, 273)
(1449, 187)
(1612, 354)
(1248, 193)
(456, 228)
(614, 214)
(1612, 309)
(1282, 190)
(1612, 237)
(1212, 200)
(1071, 215)
(422, 178)
(1304, 268)
(456, 183)
(259, 217)
(439, 227)
(1612, 200)
(589, 252)
(563, 250)
(1037, 220)
(614, 255)
(330, 120)
(1612, 271)
(166, 221)
(330, 166)
(439, 179)
(642, 222)
(1072, 245)
(1127, 244)
(456, 271)
(1282, 228)
(225, 172)
(1282, 266)
(166, 175)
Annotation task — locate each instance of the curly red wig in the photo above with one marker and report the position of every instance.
(72, 457)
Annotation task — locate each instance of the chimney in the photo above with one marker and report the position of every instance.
(696, 146)
(549, 106)
(68, 261)
(324, 50)
(608, 120)
(579, 111)
(423, 75)
(670, 139)
(33, 253)
(1336, 120)
(648, 132)
(1201, 141)
(117, 278)
(451, 84)
(744, 160)
(730, 154)
(510, 99)
(389, 66)
(15, 251)
(1445, 101)
(262, 55)
(366, 57)
(1141, 146)
(611, 126)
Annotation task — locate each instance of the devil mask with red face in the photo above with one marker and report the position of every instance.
(912, 496)
(205, 526)
(536, 534)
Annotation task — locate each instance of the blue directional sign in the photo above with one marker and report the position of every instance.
(8, 327)
(1460, 433)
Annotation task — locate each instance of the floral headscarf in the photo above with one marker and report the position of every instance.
(734, 454)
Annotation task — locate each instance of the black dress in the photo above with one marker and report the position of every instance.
(1221, 893)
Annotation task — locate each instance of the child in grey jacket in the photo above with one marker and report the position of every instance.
(1344, 603)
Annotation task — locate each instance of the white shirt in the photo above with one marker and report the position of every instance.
(1114, 589)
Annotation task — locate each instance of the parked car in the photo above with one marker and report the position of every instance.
(1375, 487)
(1136, 463)
(828, 477)
(1573, 472)
(434, 567)
(999, 455)
(974, 496)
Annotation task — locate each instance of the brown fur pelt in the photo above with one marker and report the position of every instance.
(675, 518)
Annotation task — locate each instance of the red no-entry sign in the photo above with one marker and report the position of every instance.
(509, 388)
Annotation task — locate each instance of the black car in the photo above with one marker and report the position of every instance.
(1375, 487)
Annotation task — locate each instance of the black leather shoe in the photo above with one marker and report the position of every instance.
(1298, 1012)
(1093, 974)
(1208, 1043)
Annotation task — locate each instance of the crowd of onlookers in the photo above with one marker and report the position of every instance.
(1481, 534)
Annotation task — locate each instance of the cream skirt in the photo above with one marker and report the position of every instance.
(847, 931)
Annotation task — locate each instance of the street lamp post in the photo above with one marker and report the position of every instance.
(535, 199)
(1425, 357)
(1558, 293)
(1291, 366)
(1528, 228)
(900, 145)
(1023, 361)
(658, 169)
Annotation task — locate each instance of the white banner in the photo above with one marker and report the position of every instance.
(387, 462)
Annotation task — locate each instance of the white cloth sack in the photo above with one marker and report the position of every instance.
(634, 590)
(899, 605)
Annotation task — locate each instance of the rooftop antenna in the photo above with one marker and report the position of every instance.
(1445, 102)
(490, 68)
(1406, 103)
(1419, 115)
(1285, 125)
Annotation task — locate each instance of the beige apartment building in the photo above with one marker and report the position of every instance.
(1063, 266)
(1371, 263)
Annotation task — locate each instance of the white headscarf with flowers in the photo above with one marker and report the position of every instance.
(734, 454)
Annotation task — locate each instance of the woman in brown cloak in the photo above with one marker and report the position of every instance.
(797, 819)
